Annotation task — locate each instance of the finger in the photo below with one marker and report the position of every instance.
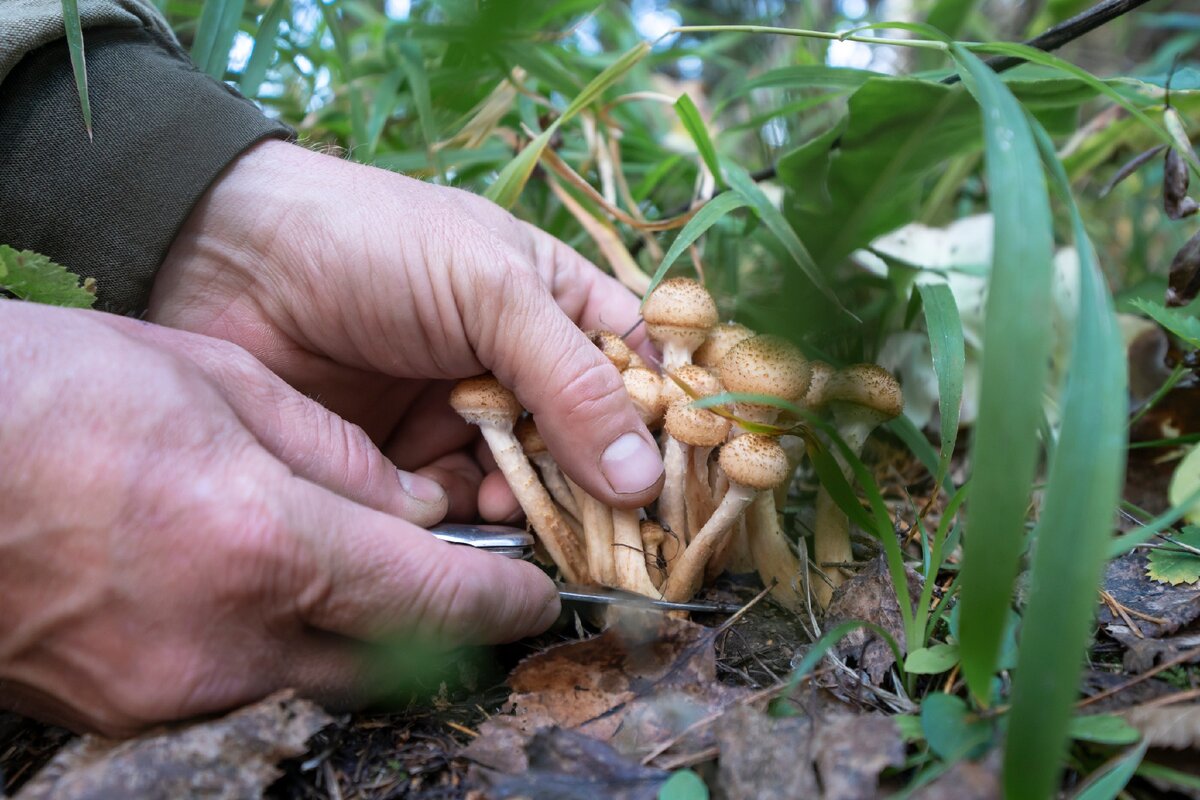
(496, 500)
(431, 429)
(576, 394)
(312, 441)
(380, 576)
(459, 476)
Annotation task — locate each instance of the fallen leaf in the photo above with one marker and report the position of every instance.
(1125, 580)
(1175, 726)
(231, 757)
(852, 750)
(765, 758)
(869, 596)
(1174, 565)
(966, 780)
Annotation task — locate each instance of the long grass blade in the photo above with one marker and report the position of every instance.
(693, 123)
(214, 35)
(74, 27)
(264, 47)
(1017, 345)
(341, 44)
(708, 215)
(1076, 524)
(949, 361)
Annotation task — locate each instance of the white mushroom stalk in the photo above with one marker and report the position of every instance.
(692, 431)
(536, 451)
(861, 397)
(484, 402)
(672, 503)
(629, 554)
(752, 463)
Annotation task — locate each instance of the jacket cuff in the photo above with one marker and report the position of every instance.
(109, 208)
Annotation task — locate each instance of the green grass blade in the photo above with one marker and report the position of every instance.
(74, 30)
(708, 215)
(381, 108)
(1108, 781)
(264, 48)
(1075, 527)
(1016, 338)
(412, 61)
(341, 44)
(741, 182)
(215, 32)
(949, 361)
(515, 175)
(693, 123)
(831, 637)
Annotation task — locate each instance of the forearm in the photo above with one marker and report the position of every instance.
(109, 207)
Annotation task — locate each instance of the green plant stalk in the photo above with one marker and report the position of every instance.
(921, 620)
(74, 29)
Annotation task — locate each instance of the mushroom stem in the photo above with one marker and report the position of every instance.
(684, 581)
(597, 523)
(556, 484)
(556, 535)
(771, 553)
(629, 553)
(698, 499)
(672, 508)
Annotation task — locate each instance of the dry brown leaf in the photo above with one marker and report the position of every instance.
(1174, 726)
(966, 780)
(1168, 607)
(231, 757)
(869, 596)
(851, 751)
(765, 758)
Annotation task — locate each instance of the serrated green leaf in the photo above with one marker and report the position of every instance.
(74, 30)
(683, 785)
(34, 277)
(1168, 564)
(693, 123)
(1103, 729)
(1183, 325)
(932, 660)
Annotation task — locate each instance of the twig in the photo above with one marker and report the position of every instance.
(1186, 655)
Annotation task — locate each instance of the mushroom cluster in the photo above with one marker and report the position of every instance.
(719, 504)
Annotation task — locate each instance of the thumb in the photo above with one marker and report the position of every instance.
(576, 394)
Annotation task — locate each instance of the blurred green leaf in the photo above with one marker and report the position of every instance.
(1017, 332)
(932, 660)
(1103, 729)
(215, 32)
(32, 276)
(683, 785)
(693, 123)
(341, 44)
(1183, 325)
(264, 47)
(74, 29)
(1108, 781)
(1174, 565)
(952, 730)
(949, 360)
(710, 214)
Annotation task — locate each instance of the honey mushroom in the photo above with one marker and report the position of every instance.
(752, 463)
(672, 503)
(679, 313)
(861, 397)
(482, 401)
(556, 484)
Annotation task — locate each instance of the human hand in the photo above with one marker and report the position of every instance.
(372, 292)
(183, 533)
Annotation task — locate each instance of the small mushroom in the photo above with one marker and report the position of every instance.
(536, 451)
(645, 389)
(720, 340)
(679, 314)
(752, 463)
(613, 347)
(629, 554)
(672, 503)
(861, 397)
(698, 431)
(484, 402)
(767, 365)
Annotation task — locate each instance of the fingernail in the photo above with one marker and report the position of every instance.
(420, 488)
(631, 464)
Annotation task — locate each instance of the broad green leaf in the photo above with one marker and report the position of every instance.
(683, 785)
(31, 276)
(931, 660)
(693, 123)
(513, 177)
(909, 726)
(949, 16)
(1174, 565)
(1108, 781)
(709, 214)
(264, 47)
(867, 172)
(1103, 729)
(1082, 491)
(1183, 325)
(949, 360)
(952, 730)
(74, 29)
(215, 32)
(1017, 345)
(741, 183)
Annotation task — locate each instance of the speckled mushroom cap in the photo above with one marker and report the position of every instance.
(680, 310)
(867, 385)
(816, 397)
(482, 400)
(754, 461)
(700, 380)
(645, 389)
(766, 364)
(612, 346)
(530, 437)
(693, 426)
(720, 340)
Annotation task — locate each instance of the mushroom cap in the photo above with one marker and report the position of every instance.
(680, 310)
(693, 426)
(652, 533)
(816, 397)
(530, 437)
(612, 346)
(869, 386)
(700, 380)
(645, 389)
(766, 364)
(720, 340)
(482, 400)
(753, 460)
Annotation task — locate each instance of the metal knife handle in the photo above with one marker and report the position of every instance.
(499, 539)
